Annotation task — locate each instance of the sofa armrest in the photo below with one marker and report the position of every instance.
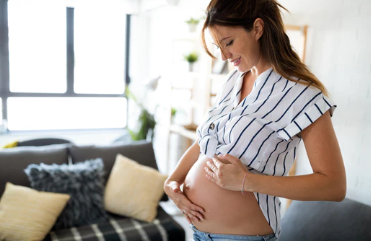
(324, 220)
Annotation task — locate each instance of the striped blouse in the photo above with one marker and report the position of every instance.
(263, 129)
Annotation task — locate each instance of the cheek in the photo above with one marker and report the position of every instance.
(252, 53)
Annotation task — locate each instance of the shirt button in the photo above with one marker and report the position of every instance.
(233, 108)
(211, 127)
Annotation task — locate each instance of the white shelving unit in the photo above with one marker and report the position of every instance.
(201, 89)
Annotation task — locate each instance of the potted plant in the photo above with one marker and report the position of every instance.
(173, 113)
(192, 23)
(191, 58)
(146, 121)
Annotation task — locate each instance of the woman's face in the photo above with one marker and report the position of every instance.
(240, 47)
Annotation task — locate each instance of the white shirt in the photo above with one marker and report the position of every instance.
(262, 131)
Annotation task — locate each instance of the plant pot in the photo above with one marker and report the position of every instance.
(192, 27)
(191, 67)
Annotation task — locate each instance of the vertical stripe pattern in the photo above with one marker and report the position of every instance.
(262, 128)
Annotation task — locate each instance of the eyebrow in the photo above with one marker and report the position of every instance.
(224, 38)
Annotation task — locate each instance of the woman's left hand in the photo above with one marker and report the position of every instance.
(228, 175)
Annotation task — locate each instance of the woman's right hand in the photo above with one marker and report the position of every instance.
(191, 211)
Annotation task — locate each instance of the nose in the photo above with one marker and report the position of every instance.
(226, 55)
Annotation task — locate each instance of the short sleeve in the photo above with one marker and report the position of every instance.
(306, 115)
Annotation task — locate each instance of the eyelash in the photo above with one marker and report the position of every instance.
(229, 44)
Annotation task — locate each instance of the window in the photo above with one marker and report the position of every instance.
(37, 47)
(99, 50)
(67, 66)
(66, 113)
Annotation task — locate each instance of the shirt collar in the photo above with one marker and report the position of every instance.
(259, 82)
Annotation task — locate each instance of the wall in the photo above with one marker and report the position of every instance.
(338, 53)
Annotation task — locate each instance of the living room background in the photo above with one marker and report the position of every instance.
(337, 52)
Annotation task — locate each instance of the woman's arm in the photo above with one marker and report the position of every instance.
(173, 182)
(185, 163)
(328, 181)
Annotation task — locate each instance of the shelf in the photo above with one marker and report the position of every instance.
(181, 88)
(187, 36)
(183, 132)
(219, 77)
(185, 73)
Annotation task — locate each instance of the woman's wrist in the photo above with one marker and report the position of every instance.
(248, 185)
(243, 183)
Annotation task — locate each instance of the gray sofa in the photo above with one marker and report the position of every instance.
(327, 221)
(14, 160)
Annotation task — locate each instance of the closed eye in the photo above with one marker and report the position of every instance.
(230, 43)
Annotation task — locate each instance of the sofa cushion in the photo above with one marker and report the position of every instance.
(26, 214)
(163, 228)
(82, 181)
(14, 160)
(323, 220)
(140, 151)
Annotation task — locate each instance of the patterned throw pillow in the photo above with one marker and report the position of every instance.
(82, 181)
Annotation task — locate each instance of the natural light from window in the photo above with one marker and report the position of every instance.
(37, 46)
(38, 64)
(99, 49)
(66, 113)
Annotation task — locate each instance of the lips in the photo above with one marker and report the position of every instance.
(237, 61)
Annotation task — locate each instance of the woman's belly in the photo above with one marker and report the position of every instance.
(226, 212)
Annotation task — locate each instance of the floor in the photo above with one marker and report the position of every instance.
(170, 208)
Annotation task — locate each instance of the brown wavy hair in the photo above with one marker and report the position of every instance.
(275, 45)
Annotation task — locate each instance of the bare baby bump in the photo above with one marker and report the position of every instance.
(226, 212)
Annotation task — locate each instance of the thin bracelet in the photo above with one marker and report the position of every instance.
(243, 182)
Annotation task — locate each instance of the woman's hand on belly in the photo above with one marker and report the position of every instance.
(227, 172)
(189, 209)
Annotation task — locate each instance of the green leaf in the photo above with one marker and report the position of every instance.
(192, 57)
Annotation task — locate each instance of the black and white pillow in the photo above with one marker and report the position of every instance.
(83, 181)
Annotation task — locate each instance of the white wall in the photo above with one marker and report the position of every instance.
(338, 52)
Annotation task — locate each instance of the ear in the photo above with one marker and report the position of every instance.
(258, 28)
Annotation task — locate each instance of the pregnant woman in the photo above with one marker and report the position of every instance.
(234, 174)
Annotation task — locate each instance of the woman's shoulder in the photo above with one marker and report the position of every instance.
(303, 87)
